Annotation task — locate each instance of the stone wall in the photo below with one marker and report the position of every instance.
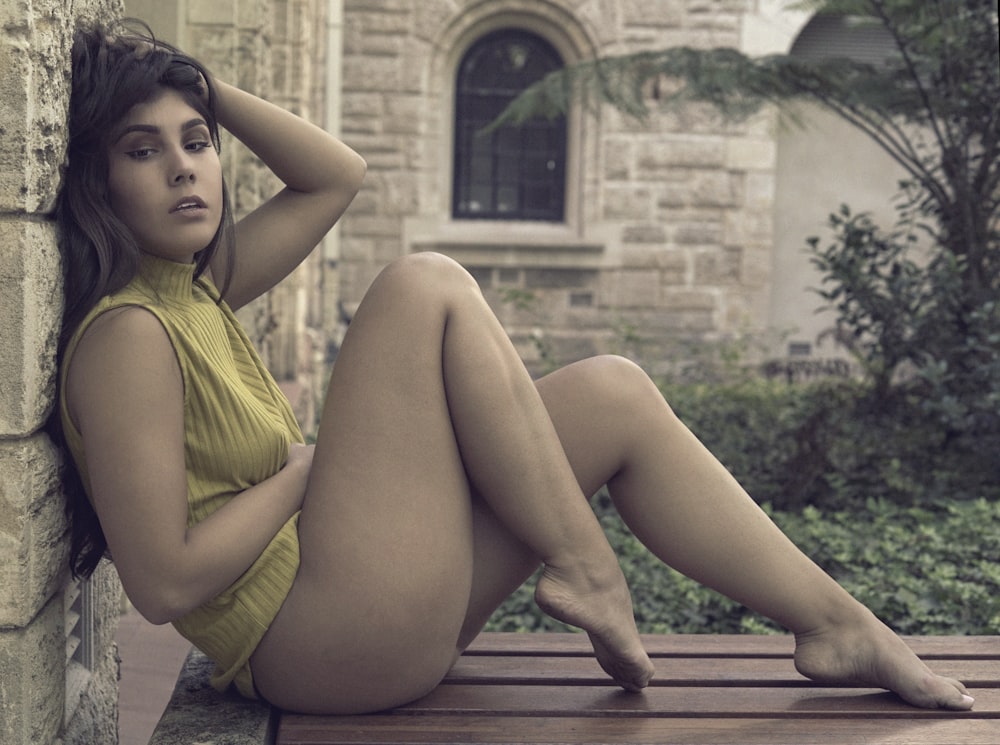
(50, 692)
(669, 225)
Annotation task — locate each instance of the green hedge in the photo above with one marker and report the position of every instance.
(923, 570)
(830, 444)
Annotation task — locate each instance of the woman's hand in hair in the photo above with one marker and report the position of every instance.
(321, 175)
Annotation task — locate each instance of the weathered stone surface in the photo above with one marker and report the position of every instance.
(30, 306)
(33, 58)
(199, 714)
(718, 267)
(680, 152)
(630, 289)
(32, 529)
(32, 668)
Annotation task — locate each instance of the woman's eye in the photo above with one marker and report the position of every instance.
(140, 153)
(198, 145)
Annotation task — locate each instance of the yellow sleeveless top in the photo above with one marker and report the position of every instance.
(237, 430)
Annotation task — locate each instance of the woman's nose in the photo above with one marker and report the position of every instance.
(183, 168)
(184, 173)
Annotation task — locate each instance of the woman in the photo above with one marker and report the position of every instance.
(348, 576)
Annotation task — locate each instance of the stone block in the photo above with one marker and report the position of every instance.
(718, 267)
(559, 278)
(617, 160)
(759, 190)
(714, 189)
(215, 46)
(221, 12)
(403, 114)
(744, 227)
(652, 14)
(695, 232)
(627, 203)
(432, 16)
(745, 154)
(32, 528)
(32, 668)
(654, 234)
(630, 289)
(369, 73)
(661, 155)
(31, 307)
(34, 58)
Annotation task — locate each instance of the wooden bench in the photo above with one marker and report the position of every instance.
(547, 688)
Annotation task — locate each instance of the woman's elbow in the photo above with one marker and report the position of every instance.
(158, 603)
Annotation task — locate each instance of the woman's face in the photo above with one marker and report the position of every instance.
(165, 179)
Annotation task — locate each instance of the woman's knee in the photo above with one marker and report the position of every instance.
(620, 381)
(425, 273)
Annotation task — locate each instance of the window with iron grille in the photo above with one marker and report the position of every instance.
(512, 173)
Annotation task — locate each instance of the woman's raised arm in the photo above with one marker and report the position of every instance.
(321, 176)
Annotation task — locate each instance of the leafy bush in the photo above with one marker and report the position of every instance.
(923, 570)
(925, 329)
(826, 445)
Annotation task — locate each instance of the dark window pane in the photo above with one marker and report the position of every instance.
(514, 172)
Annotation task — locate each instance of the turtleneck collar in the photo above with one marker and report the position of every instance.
(168, 278)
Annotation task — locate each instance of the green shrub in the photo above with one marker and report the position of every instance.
(825, 444)
(923, 570)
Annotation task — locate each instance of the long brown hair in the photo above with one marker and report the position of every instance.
(114, 68)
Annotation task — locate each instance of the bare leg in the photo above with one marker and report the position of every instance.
(694, 516)
(427, 396)
(402, 561)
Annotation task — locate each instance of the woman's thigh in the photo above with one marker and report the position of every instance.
(386, 538)
(401, 563)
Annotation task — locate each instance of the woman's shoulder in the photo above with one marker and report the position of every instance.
(123, 346)
(129, 311)
(121, 334)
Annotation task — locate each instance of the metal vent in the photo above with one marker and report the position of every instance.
(79, 623)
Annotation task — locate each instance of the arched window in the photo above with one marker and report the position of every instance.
(513, 173)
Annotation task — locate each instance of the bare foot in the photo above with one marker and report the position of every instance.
(867, 653)
(601, 606)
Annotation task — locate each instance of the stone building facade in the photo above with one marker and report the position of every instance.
(671, 232)
(668, 226)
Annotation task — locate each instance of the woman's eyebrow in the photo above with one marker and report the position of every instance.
(153, 129)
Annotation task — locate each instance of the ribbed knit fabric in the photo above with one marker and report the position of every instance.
(237, 430)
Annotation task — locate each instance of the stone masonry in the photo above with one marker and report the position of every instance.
(47, 694)
(669, 225)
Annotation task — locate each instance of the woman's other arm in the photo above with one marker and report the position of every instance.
(126, 396)
(321, 176)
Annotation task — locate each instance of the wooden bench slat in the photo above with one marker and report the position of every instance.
(687, 701)
(443, 730)
(717, 645)
(506, 669)
(719, 690)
